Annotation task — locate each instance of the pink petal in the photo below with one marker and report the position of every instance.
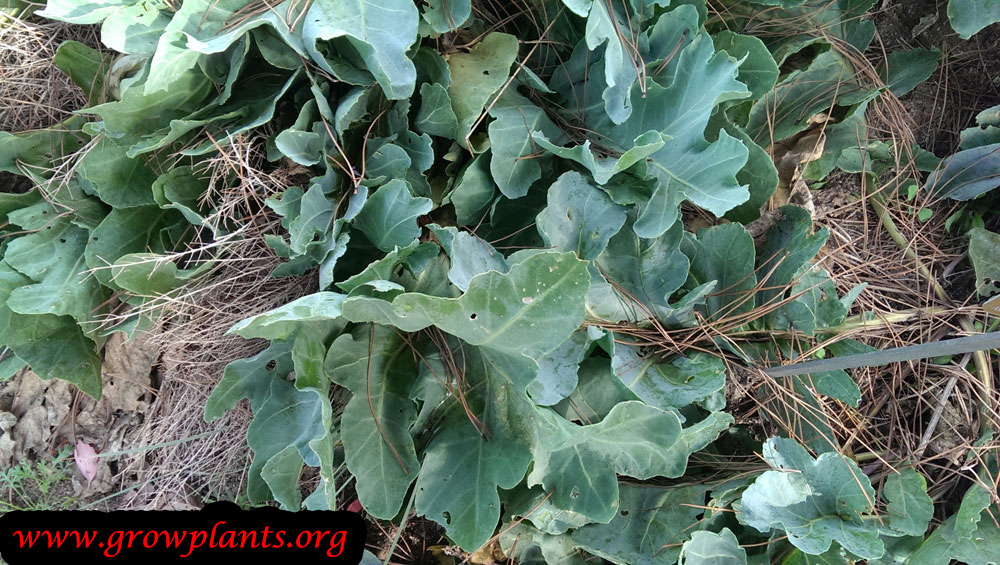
(86, 460)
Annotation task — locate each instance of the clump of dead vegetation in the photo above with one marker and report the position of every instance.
(34, 93)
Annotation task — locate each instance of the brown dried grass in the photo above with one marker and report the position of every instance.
(34, 93)
(195, 350)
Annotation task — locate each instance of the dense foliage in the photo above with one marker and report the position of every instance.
(494, 223)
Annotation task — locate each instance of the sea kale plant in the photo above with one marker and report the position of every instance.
(525, 341)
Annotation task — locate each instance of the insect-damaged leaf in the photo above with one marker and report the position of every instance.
(530, 310)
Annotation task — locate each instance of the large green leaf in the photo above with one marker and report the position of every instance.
(378, 368)
(469, 255)
(530, 310)
(447, 15)
(380, 30)
(968, 17)
(465, 463)
(815, 501)
(579, 217)
(758, 69)
(605, 23)
(81, 11)
(137, 114)
(649, 527)
(86, 66)
(909, 507)
(314, 219)
(282, 322)
(477, 76)
(124, 231)
(790, 244)
(558, 370)
(249, 378)
(788, 108)
(474, 190)
(118, 180)
(135, 29)
(603, 168)
(724, 254)
(514, 164)
(699, 379)
(687, 166)
(650, 270)
(967, 174)
(389, 217)
(708, 548)
(436, 116)
(578, 465)
(53, 346)
(52, 258)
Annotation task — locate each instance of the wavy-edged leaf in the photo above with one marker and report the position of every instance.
(436, 116)
(909, 507)
(447, 15)
(815, 501)
(380, 30)
(603, 168)
(578, 465)
(60, 285)
(709, 548)
(249, 378)
(378, 368)
(530, 310)
(649, 527)
(54, 347)
(125, 231)
(515, 164)
(464, 464)
(280, 323)
(725, 254)
(698, 379)
(650, 270)
(579, 217)
(477, 76)
(389, 217)
(470, 256)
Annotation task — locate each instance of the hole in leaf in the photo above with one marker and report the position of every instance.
(270, 365)
(473, 316)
